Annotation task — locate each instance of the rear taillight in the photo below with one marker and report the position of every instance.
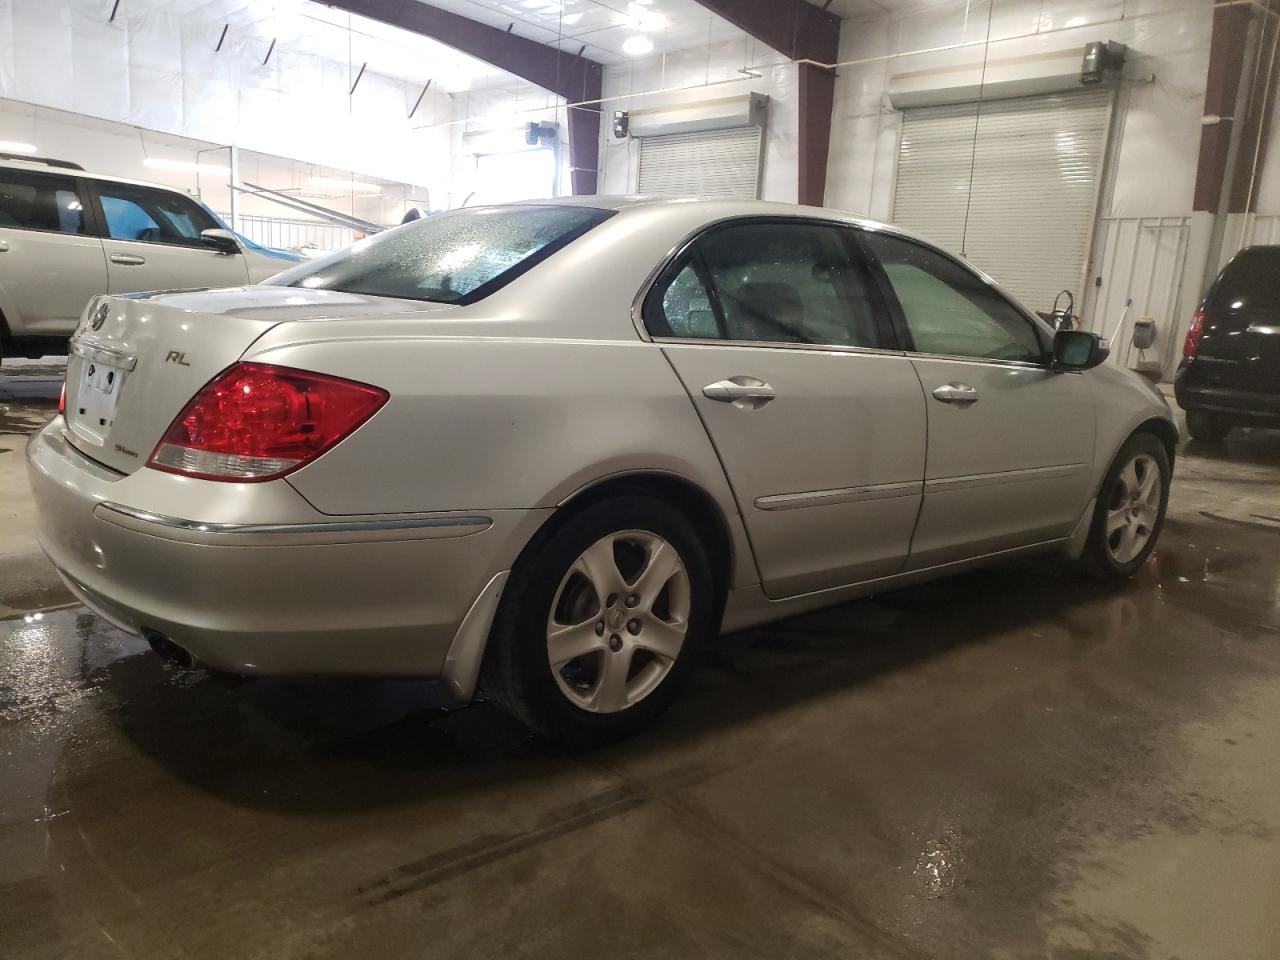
(255, 421)
(1191, 346)
(62, 398)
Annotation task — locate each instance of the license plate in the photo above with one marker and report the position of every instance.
(96, 401)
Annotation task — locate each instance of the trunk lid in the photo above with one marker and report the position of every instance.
(137, 360)
(1240, 346)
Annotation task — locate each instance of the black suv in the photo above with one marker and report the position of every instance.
(1230, 371)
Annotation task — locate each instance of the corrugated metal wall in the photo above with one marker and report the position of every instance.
(1140, 259)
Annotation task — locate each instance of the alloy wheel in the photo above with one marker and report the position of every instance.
(618, 621)
(1133, 508)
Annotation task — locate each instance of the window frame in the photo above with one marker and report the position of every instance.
(648, 300)
(899, 319)
(88, 215)
(104, 229)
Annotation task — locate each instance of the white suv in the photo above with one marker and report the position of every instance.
(67, 235)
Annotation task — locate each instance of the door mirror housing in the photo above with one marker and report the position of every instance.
(1078, 350)
(224, 241)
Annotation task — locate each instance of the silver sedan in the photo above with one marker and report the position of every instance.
(551, 448)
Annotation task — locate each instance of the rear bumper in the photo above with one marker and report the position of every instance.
(1242, 405)
(379, 596)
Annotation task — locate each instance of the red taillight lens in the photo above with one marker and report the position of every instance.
(62, 398)
(1191, 346)
(258, 422)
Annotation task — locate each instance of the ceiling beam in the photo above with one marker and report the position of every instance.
(799, 31)
(567, 75)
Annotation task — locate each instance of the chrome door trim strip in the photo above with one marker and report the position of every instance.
(823, 498)
(942, 484)
(119, 359)
(336, 526)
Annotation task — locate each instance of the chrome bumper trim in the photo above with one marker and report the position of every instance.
(112, 358)
(336, 526)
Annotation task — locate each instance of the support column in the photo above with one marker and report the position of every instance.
(817, 96)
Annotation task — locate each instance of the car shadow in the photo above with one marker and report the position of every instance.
(333, 746)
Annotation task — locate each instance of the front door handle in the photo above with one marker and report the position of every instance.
(956, 393)
(746, 393)
(128, 259)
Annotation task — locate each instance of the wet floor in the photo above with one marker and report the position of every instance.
(1009, 764)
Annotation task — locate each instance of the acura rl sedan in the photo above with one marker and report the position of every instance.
(550, 448)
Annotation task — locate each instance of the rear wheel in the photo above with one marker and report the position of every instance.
(1130, 509)
(1209, 427)
(601, 622)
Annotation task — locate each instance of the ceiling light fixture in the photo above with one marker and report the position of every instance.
(185, 166)
(637, 46)
(16, 146)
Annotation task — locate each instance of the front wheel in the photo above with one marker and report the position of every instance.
(1130, 509)
(601, 621)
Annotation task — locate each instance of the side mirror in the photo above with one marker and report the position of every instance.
(1078, 350)
(223, 241)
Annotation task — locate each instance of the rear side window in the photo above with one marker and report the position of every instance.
(457, 257)
(1251, 281)
(36, 201)
(768, 282)
(152, 216)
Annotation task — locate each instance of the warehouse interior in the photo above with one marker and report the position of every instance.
(1009, 763)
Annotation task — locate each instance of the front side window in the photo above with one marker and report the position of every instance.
(152, 216)
(773, 282)
(947, 309)
(35, 201)
(457, 257)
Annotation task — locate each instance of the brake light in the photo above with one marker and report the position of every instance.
(256, 422)
(1191, 346)
(62, 399)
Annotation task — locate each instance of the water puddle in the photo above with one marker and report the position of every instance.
(938, 865)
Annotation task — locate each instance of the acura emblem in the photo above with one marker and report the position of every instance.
(100, 316)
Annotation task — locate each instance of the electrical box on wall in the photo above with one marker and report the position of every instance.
(540, 134)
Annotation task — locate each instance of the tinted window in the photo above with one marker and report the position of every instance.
(1251, 281)
(34, 201)
(452, 258)
(152, 216)
(774, 283)
(686, 308)
(948, 309)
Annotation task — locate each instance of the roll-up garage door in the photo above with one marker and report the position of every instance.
(1011, 184)
(714, 163)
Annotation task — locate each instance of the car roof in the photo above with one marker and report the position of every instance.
(38, 165)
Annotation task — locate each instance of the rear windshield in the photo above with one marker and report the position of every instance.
(1251, 281)
(456, 257)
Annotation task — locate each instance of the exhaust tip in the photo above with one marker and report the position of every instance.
(168, 650)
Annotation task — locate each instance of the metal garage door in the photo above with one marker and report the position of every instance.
(1013, 185)
(715, 163)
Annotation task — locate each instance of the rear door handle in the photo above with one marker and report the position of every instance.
(746, 393)
(4, 246)
(956, 393)
(128, 259)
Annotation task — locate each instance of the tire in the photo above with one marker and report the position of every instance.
(1129, 515)
(1208, 427)
(621, 683)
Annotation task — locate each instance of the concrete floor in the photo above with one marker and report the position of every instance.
(1010, 765)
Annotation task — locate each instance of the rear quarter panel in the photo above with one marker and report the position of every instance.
(495, 423)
